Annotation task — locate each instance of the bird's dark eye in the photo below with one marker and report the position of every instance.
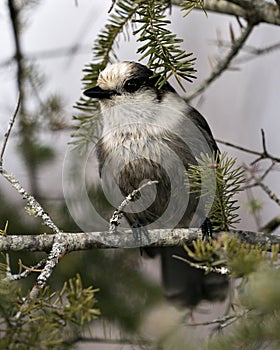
(132, 85)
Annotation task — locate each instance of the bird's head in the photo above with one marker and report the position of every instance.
(126, 82)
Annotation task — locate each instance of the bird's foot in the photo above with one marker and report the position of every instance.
(140, 234)
(207, 229)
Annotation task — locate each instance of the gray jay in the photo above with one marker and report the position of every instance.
(153, 134)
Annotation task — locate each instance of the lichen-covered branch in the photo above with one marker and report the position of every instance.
(265, 12)
(33, 206)
(7, 134)
(96, 240)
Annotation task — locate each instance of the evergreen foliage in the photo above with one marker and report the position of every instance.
(229, 179)
(54, 320)
(159, 45)
(51, 321)
(255, 308)
(189, 5)
(103, 53)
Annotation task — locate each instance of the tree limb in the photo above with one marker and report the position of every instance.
(223, 65)
(103, 240)
(261, 155)
(7, 134)
(272, 225)
(264, 13)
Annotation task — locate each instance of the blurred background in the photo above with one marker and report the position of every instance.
(56, 40)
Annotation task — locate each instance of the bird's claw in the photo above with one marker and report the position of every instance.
(207, 229)
(140, 233)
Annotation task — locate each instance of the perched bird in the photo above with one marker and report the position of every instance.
(153, 134)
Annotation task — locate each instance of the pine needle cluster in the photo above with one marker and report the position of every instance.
(54, 320)
(218, 174)
(103, 52)
(254, 306)
(160, 46)
(188, 5)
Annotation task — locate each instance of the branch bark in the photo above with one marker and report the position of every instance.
(261, 11)
(104, 240)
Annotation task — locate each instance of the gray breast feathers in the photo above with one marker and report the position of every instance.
(129, 157)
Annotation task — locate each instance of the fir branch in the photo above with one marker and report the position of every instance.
(50, 320)
(228, 183)
(103, 53)
(166, 58)
(103, 50)
(189, 5)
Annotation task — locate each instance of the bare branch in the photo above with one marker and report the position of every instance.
(33, 206)
(251, 52)
(58, 247)
(223, 65)
(261, 155)
(222, 321)
(26, 272)
(7, 135)
(118, 213)
(272, 225)
(266, 189)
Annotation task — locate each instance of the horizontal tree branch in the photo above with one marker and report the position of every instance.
(265, 12)
(103, 240)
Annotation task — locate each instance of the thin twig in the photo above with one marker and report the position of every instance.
(251, 51)
(220, 320)
(267, 171)
(223, 65)
(27, 272)
(118, 213)
(262, 155)
(33, 206)
(272, 225)
(267, 190)
(7, 134)
(258, 181)
(31, 269)
(58, 247)
(219, 270)
(240, 148)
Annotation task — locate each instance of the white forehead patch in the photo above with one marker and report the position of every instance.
(114, 75)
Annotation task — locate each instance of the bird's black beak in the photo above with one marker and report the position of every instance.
(97, 92)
